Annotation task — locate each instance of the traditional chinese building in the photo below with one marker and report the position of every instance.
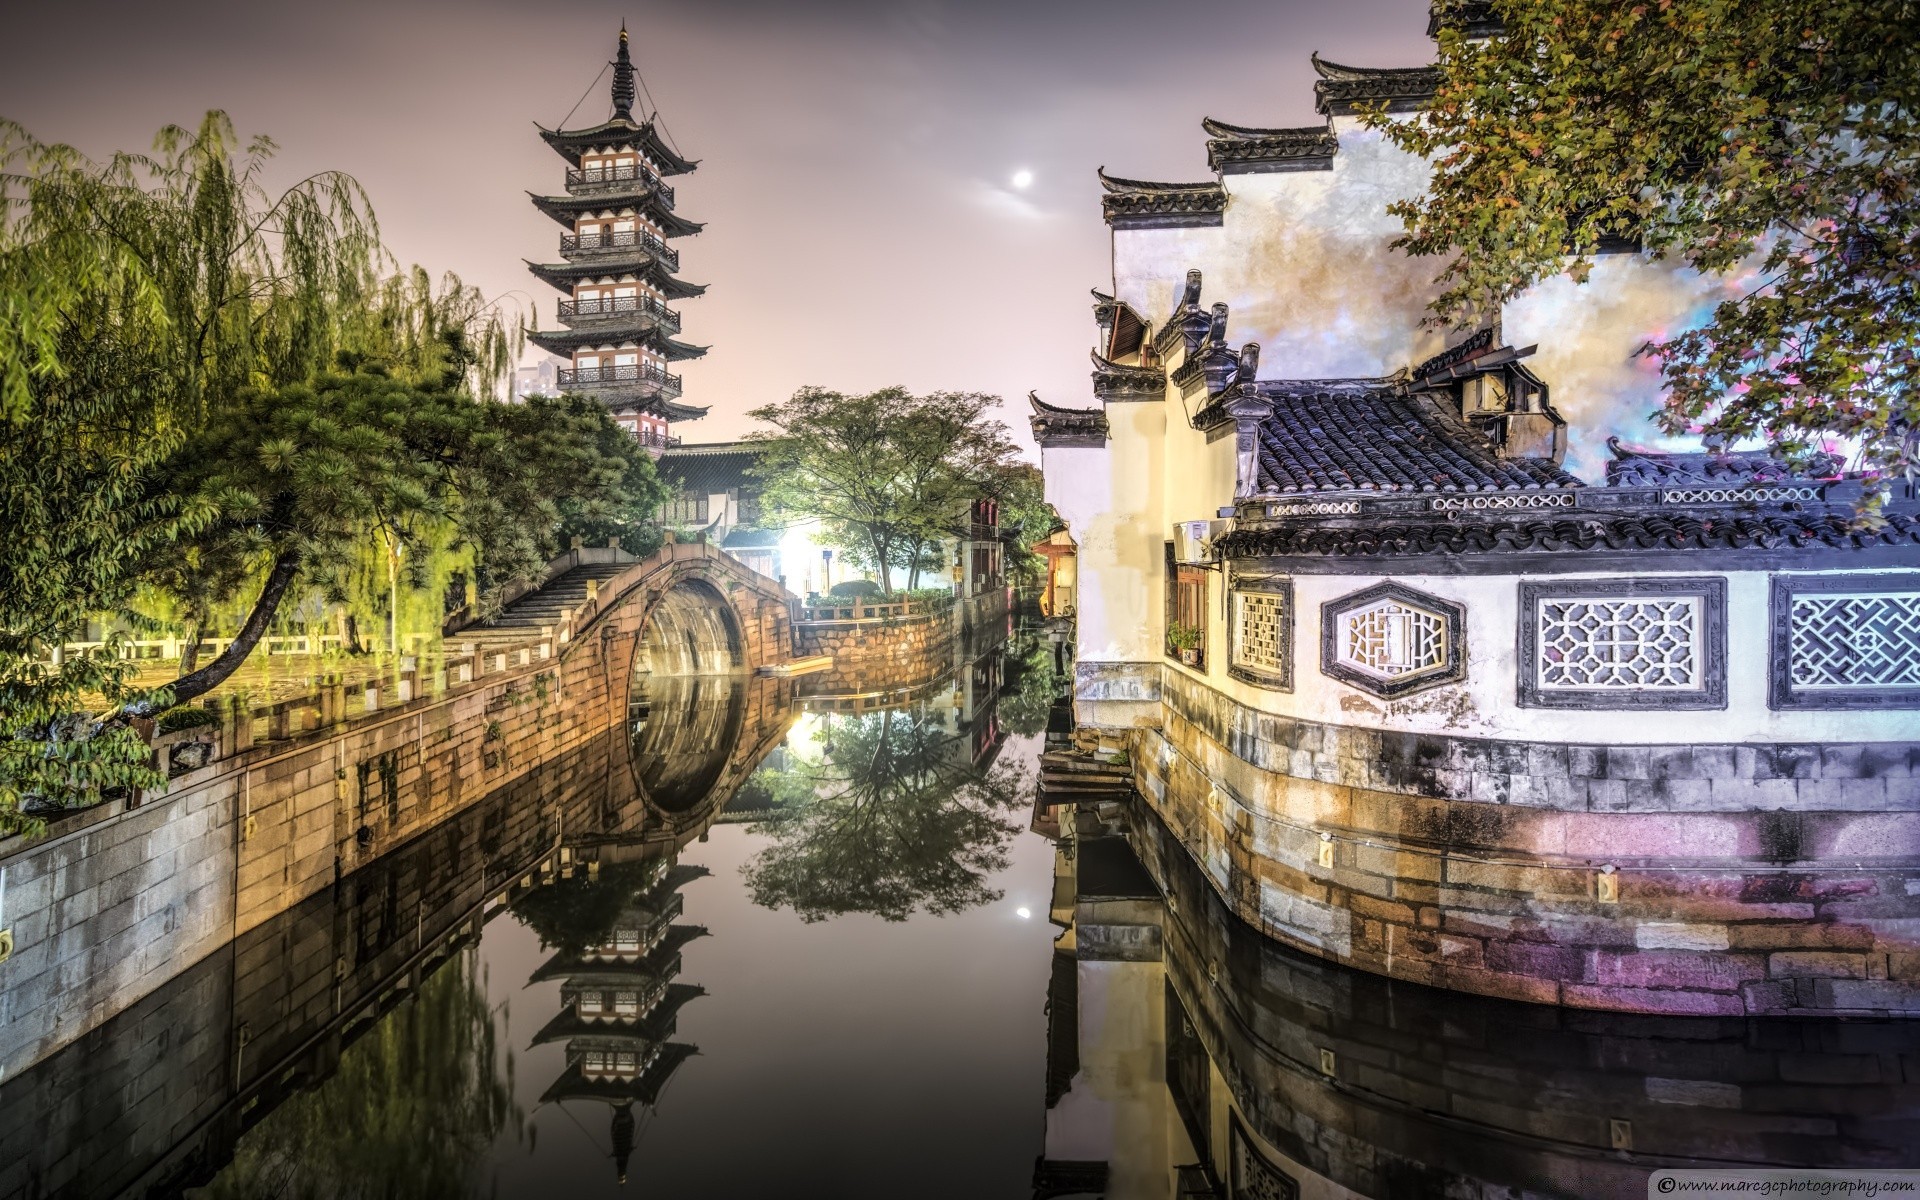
(1434, 671)
(617, 271)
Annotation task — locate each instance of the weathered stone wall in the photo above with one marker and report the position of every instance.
(156, 1096)
(114, 903)
(1504, 1098)
(1748, 881)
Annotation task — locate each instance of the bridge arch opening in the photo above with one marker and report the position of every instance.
(687, 703)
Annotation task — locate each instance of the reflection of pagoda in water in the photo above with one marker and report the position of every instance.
(619, 1002)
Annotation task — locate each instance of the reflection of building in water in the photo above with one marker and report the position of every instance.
(618, 995)
(1190, 1056)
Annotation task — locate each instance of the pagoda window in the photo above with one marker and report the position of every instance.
(626, 360)
(626, 1003)
(587, 361)
(624, 225)
(592, 1002)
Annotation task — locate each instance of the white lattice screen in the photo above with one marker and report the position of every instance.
(1868, 640)
(1260, 632)
(1607, 643)
(1388, 638)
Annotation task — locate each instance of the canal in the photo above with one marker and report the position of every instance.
(772, 941)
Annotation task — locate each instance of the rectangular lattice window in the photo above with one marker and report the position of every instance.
(1854, 641)
(1262, 642)
(1596, 643)
(1649, 642)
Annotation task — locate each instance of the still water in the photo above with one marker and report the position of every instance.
(763, 942)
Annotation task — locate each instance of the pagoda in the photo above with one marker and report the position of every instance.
(617, 270)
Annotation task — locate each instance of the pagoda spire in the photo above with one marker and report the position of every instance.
(623, 79)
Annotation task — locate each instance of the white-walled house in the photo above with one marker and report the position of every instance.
(1492, 688)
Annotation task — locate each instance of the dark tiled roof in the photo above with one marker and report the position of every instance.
(1111, 380)
(703, 470)
(1057, 426)
(751, 539)
(618, 131)
(1368, 434)
(1633, 467)
(1234, 149)
(1340, 88)
(1474, 18)
(1632, 531)
(1134, 203)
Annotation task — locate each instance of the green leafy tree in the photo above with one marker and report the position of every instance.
(1025, 518)
(888, 473)
(892, 817)
(1777, 142)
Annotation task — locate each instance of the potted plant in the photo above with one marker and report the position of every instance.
(1184, 640)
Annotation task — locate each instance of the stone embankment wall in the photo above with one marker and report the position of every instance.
(1705, 879)
(901, 652)
(116, 901)
(1515, 1098)
(154, 1099)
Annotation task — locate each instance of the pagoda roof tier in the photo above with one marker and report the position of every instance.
(641, 266)
(620, 132)
(568, 209)
(630, 389)
(1241, 149)
(1341, 89)
(655, 1025)
(661, 962)
(645, 1089)
(612, 335)
(1138, 204)
(614, 313)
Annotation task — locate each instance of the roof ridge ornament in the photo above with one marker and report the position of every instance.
(623, 79)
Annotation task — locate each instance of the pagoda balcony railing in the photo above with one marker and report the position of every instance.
(591, 179)
(659, 441)
(624, 239)
(637, 376)
(610, 307)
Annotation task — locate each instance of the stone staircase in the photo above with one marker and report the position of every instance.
(1067, 775)
(542, 609)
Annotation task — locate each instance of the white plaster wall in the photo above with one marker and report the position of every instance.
(1486, 704)
(1302, 261)
(1111, 501)
(1589, 335)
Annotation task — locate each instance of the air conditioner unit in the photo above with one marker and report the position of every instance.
(1192, 540)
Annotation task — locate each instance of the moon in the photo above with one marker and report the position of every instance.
(1024, 913)
(1023, 179)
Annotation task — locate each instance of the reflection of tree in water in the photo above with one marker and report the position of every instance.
(573, 914)
(411, 1109)
(1032, 683)
(893, 816)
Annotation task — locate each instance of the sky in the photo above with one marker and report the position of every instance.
(857, 159)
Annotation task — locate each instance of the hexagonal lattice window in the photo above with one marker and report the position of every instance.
(1391, 640)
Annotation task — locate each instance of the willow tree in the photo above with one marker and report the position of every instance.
(1777, 144)
(138, 297)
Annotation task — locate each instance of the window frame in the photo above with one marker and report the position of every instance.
(1712, 694)
(1269, 585)
(1452, 670)
(1782, 696)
